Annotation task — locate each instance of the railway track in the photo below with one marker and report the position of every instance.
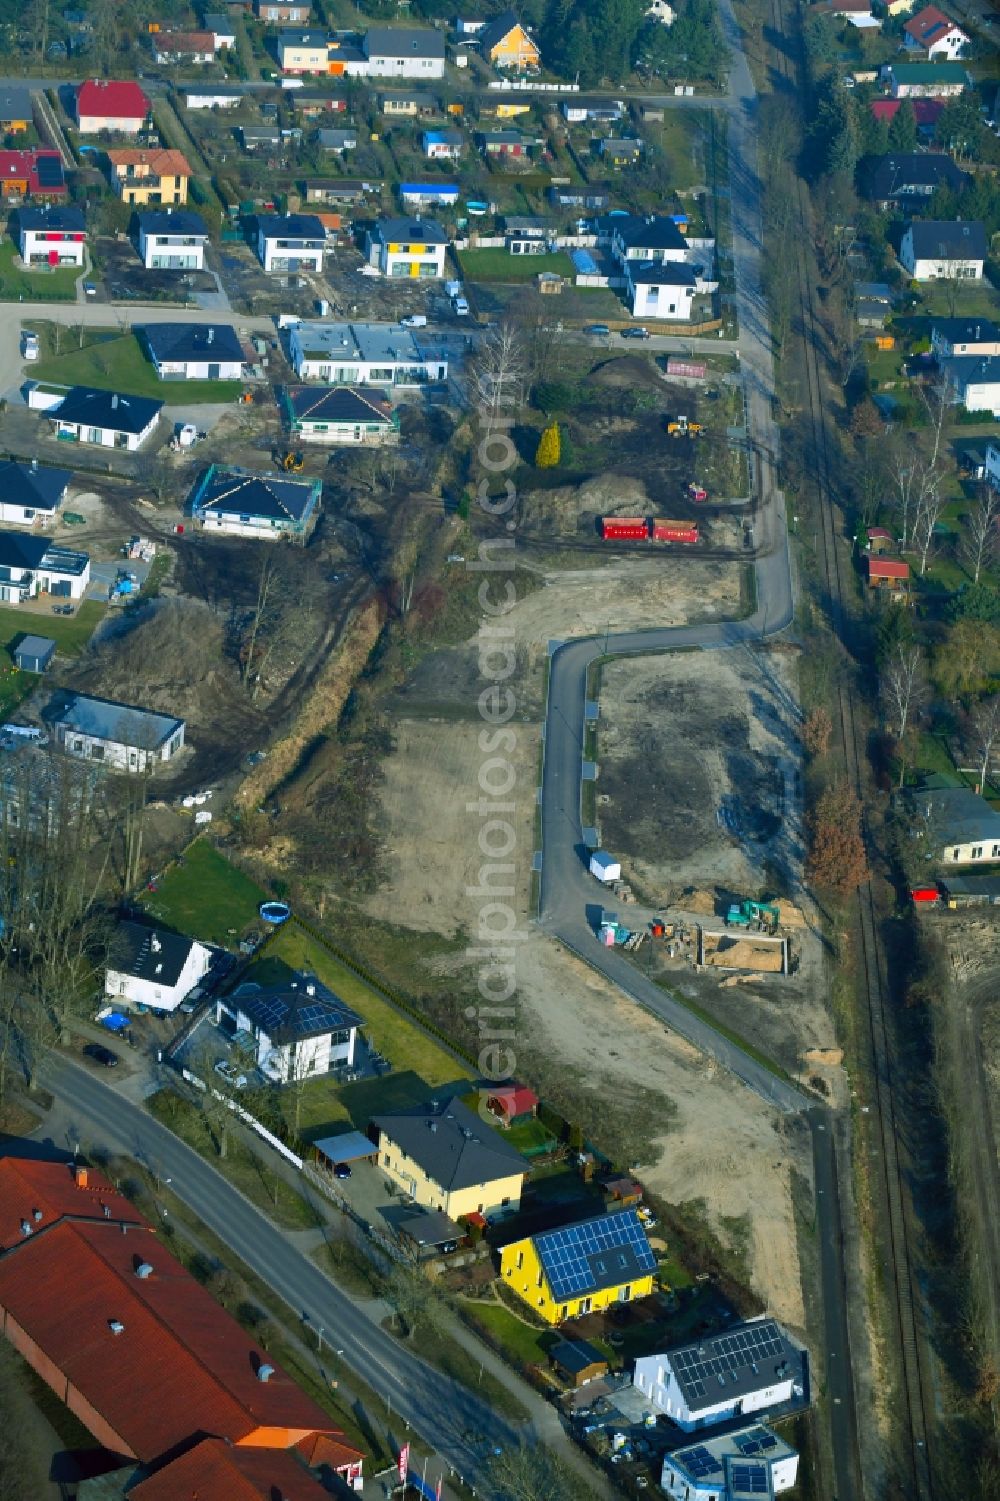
(889, 1187)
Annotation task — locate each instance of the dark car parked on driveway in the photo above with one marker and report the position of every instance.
(99, 1054)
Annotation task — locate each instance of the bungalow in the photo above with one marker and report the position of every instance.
(340, 414)
(596, 111)
(975, 380)
(31, 494)
(16, 111)
(890, 575)
(579, 1269)
(211, 96)
(925, 80)
(407, 247)
(295, 1030)
(150, 177)
(428, 194)
(112, 106)
(957, 825)
(183, 47)
(749, 1367)
(172, 240)
(406, 106)
(51, 236)
(303, 52)
(30, 566)
(120, 736)
(404, 52)
(32, 174)
(362, 354)
(240, 504)
(593, 199)
(618, 152)
(934, 249)
(964, 336)
(153, 967)
(506, 43)
(887, 180)
(193, 351)
(338, 141)
(312, 104)
(443, 1156)
(932, 33)
(443, 145)
(504, 143)
(282, 12)
(338, 190)
(260, 137)
(106, 418)
(748, 1462)
(290, 242)
(857, 12)
(221, 29)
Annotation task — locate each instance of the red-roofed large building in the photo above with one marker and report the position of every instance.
(120, 1330)
(934, 35)
(108, 105)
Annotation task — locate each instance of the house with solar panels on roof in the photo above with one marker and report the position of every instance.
(579, 1269)
(241, 504)
(749, 1367)
(752, 1462)
(295, 1030)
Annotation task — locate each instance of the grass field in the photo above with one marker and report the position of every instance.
(42, 285)
(70, 633)
(519, 1341)
(113, 361)
(206, 897)
(497, 265)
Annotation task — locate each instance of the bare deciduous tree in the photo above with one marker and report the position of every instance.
(903, 690)
(984, 734)
(981, 537)
(498, 373)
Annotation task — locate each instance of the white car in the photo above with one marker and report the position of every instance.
(29, 345)
(231, 1074)
(461, 307)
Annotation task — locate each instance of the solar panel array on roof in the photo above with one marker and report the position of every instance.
(749, 1480)
(757, 1441)
(275, 1011)
(726, 1357)
(700, 1462)
(598, 1253)
(50, 172)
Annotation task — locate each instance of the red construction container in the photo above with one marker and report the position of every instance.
(674, 531)
(624, 528)
(927, 896)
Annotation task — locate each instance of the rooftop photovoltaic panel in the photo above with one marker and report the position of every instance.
(50, 172)
(757, 1441)
(602, 1252)
(699, 1462)
(729, 1360)
(749, 1480)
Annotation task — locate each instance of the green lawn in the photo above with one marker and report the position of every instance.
(70, 632)
(497, 265)
(530, 1134)
(205, 897)
(114, 361)
(44, 284)
(521, 1343)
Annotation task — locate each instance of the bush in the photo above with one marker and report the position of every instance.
(549, 449)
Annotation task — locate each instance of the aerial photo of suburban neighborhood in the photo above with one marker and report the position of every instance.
(499, 750)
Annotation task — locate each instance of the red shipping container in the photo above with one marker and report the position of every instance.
(674, 531)
(925, 894)
(628, 528)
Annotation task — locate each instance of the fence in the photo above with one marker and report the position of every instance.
(529, 86)
(246, 1118)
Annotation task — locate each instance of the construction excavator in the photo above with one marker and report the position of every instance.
(291, 462)
(680, 427)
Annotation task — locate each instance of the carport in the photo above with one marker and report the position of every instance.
(431, 1230)
(352, 1146)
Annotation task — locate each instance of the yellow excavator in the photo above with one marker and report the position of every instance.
(680, 427)
(292, 462)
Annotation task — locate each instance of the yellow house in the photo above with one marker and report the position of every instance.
(899, 7)
(444, 1157)
(147, 177)
(511, 111)
(578, 1269)
(505, 43)
(15, 111)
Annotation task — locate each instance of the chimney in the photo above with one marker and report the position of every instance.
(155, 944)
(36, 1215)
(114, 402)
(310, 989)
(265, 1372)
(211, 334)
(81, 1177)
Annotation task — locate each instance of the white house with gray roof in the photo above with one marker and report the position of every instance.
(746, 1368)
(404, 52)
(120, 736)
(957, 825)
(944, 249)
(362, 354)
(151, 967)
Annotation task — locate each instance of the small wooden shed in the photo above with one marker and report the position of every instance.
(577, 1362)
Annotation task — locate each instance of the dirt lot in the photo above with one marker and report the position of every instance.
(123, 277)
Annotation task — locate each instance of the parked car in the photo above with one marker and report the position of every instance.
(231, 1074)
(461, 307)
(29, 345)
(414, 320)
(635, 333)
(101, 1055)
(341, 1170)
(90, 288)
(598, 330)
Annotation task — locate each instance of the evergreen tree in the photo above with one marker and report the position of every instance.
(903, 128)
(549, 449)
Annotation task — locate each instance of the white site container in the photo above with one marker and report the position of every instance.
(605, 867)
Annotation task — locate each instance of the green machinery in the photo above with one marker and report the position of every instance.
(761, 917)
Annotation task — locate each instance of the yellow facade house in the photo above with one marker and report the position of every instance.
(444, 1157)
(579, 1269)
(506, 44)
(149, 177)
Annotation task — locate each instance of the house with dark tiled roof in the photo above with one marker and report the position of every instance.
(749, 1367)
(241, 504)
(445, 1157)
(297, 1029)
(340, 414)
(152, 967)
(580, 1268)
(944, 249)
(907, 175)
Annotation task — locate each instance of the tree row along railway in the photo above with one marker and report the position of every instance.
(887, 1168)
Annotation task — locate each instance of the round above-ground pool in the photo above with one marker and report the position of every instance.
(274, 912)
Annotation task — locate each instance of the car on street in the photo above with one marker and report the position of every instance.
(597, 330)
(231, 1074)
(101, 1055)
(29, 345)
(635, 333)
(341, 1170)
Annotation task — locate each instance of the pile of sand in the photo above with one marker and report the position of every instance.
(828, 1057)
(743, 953)
(699, 902)
(790, 915)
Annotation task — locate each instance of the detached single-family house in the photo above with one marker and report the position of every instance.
(340, 414)
(312, 104)
(183, 47)
(407, 247)
(650, 237)
(506, 43)
(889, 575)
(444, 1157)
(107, 418)
(749, 1367)
(619, 152)
(503, 143)
(152, 967)
(404, 52)
(260, 137)
(193, 351)
(221, 28)
(31, 494)
(661, 289)
(172, 240)
(112, 106)
(597, 111)
(402, 106)
(443, 145)
(975, 380)
(32, 174)
(302, 51)
(149, 177)
(337, 141)
(283, 12)
(240, 504)
(362, 354)
(888, 180)
(578, 1269)
(51, 236)
(120, 736)
(593, 199)
(934, 34)
(926, 80)
(16, 111)
(731, 1467)
(957, 825)
(339, 190)
(290, 242)
(944, 249)
(31, 565)
(296, 1030)
(926, 112)
(964, 336)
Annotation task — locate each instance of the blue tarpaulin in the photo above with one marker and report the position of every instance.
(115, 1021)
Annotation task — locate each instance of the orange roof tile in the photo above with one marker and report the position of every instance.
(165, 163)
(51, 1189)
(215, 1471)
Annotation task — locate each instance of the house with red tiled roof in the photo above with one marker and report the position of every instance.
(216, 1471)
(890, 574)
(109, 105)
(184, 46)
(32, 174)
(934, 35)
(142, 1354)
